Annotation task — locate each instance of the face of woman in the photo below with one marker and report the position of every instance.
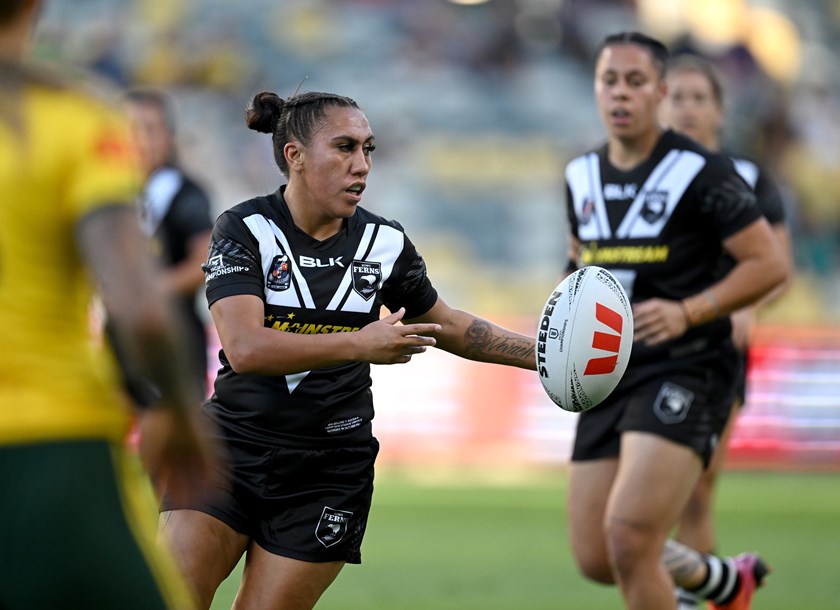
(628, 90)
(333, 169)
(691, 108)
(151, 135)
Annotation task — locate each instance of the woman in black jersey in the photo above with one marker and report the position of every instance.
(295, 282)
(694, 107)
(657, 210)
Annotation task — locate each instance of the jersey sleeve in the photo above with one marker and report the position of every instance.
(726, 198)
(192, 214)
(233, 262)
(105, 171)
(769, 199)
(409, 285)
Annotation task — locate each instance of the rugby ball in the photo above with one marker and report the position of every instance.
(584, 339)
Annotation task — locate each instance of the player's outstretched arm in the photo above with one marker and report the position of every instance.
(475, 338)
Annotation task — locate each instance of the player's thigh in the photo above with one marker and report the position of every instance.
(654, 481)
(83, 532)
(271, 581)
(590, 483)
(205, 548)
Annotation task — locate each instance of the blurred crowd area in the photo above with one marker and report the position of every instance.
(476, 107)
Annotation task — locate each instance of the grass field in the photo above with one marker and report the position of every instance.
(479, 546)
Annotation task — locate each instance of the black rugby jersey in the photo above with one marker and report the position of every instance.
(309, 286)
(658, 227)
(767, 196)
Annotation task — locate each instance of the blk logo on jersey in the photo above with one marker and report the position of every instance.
(672, 403)
(654, 206)
(605, 341)
(279, 275)
(366, 278)
(332, 526)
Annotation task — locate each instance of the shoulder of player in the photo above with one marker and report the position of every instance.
(256, 205)
(600, 150)
(365, 216)
(72, 84)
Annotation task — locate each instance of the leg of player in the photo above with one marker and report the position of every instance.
(589, 488)
(696, 527)
(653, 482)
(727, 582)
(272, 582)
(205, 549)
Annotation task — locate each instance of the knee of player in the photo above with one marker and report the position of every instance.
(597, 571)
(627, 543)
(593, 563)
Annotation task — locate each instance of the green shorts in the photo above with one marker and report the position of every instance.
(77, 525)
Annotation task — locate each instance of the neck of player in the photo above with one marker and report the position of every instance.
(625, 153)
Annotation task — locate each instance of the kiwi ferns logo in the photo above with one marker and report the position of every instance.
(608, 342)
(654, 206)
(332, 526)
(672, 403)
(366, 278)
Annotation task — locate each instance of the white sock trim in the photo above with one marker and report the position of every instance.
(712, 582)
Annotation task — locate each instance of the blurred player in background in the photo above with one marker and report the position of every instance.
(296, 281)
(175, 214)
(74, 518)
(694, 107)
(657, 209)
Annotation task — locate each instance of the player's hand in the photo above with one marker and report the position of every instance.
(176, 451)
(743, 321)
(386, 342)
(658, 320)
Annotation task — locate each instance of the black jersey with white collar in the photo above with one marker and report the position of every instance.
(767, 195)
(659, 227)
(309, 287)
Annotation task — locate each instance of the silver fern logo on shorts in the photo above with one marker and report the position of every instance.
(332, 526)
(672, 403)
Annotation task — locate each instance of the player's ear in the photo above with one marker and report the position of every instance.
(294, 155)
(662, 89)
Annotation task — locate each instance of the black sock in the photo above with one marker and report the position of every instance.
(721, 583)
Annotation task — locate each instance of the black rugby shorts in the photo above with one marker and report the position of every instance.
(306, 504)
(684, 400)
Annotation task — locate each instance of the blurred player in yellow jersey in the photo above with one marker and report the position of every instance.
(75, 529)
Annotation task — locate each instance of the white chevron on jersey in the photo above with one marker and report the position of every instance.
(583, 175)
(265, 232)
(671, 177)
(385, 250)
(293, 380)
(748, 171)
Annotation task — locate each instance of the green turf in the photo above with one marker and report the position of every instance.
(505, 547)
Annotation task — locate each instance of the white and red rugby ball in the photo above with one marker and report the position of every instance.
(584, 339)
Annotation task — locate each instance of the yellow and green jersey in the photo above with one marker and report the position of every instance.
(64, 153)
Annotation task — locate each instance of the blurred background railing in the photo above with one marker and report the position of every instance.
(476, 107)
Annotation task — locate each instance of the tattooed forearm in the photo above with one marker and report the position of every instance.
(482, 344)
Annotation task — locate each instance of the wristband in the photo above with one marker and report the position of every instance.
(701, 308)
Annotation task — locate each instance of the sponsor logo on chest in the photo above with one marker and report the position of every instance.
(617, 192)
(310, 262)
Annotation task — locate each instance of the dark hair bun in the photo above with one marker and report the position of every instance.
(263, 111)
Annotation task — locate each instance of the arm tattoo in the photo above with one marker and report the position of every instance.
(482, 344)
